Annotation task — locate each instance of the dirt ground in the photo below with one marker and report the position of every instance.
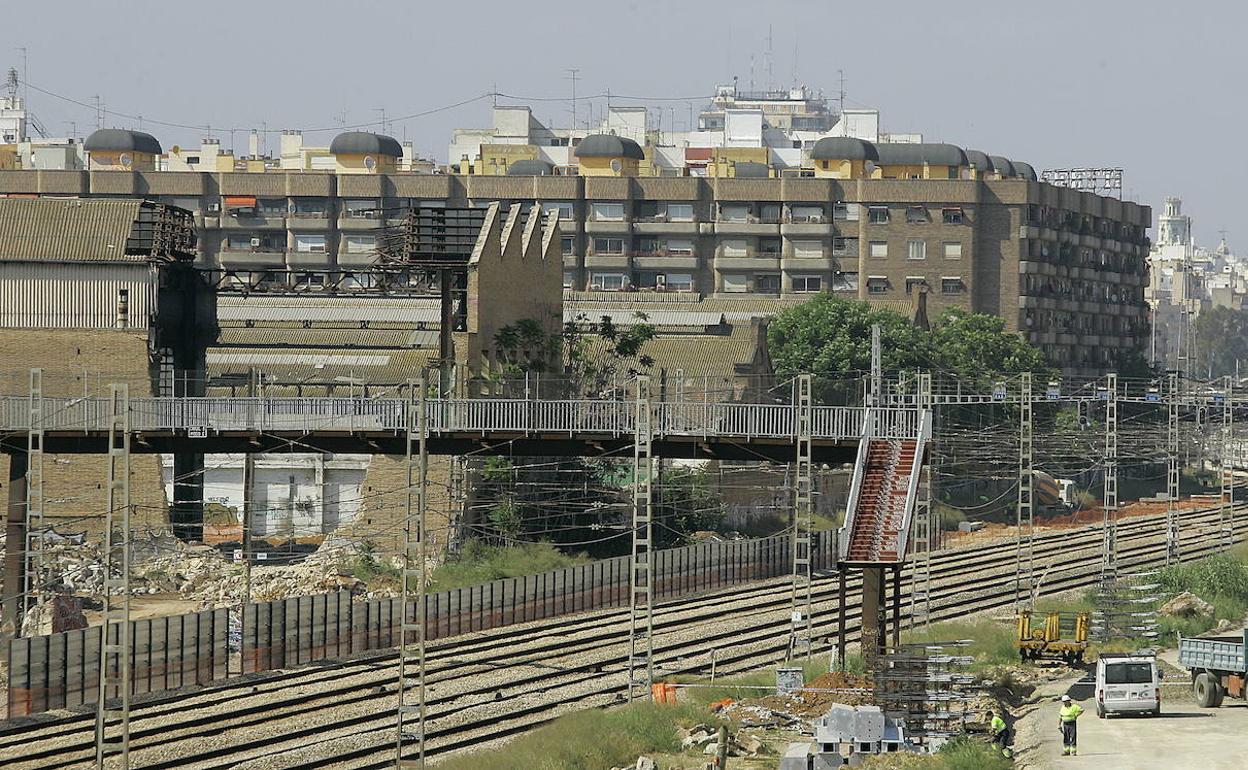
(994, 531)
(1184, 736)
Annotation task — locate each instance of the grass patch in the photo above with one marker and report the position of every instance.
(375, 572)
(480, 563)
(742, 686)
(1221, 580)
(992, 642)
(591, 740)
(958, 754)
(949, 517)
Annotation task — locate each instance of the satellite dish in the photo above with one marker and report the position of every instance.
(175, 149)
(616, 165)
(370, 162)
(126, 159)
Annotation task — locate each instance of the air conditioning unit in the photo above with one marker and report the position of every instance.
(214, 208)
(255, 243)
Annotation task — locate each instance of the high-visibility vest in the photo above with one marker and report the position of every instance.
(1071, 712)
(998, 724)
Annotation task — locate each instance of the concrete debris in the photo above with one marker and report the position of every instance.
(706, 738)
(645, 763)
(1186, 605)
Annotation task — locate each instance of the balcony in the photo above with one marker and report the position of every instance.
(750, 226)
(821, 228)
(607, 227)
(654, 227)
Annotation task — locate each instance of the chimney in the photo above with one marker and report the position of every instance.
(253, 144)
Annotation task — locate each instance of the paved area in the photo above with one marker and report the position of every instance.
(1184, 736)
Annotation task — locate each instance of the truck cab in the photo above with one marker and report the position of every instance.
(1127, 683)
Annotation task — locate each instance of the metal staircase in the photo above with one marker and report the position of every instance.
(882, 497)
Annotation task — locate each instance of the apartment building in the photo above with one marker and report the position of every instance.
(1065, 267)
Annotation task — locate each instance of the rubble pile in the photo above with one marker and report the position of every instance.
(812, 700)
(1186, 605)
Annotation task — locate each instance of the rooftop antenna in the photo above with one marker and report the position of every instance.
(25, 77)
(795, 81)
(382, 111)
(771, 81)
(99, 112)
(841, 94)
(573, 73)
(494, 93)
(11, 83)
(751, 72)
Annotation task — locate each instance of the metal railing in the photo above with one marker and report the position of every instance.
(458, 416)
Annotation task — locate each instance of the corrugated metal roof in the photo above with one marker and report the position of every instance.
(656, 317)
(343, 310)
(320, 366)
(67, 230)
(321, 338)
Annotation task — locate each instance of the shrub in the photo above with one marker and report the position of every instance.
(480, 563)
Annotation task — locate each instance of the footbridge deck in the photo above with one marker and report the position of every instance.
(588, 427)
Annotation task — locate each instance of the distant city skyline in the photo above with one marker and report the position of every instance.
(1059, 85)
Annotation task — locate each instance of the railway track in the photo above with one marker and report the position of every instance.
(509, 680)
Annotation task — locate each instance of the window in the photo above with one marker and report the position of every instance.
(648, 246)
(877, 215)
(309, 280)
(952, 216)
(914, 281)
(877, 284)
(769, 247)
(1128, 673)
(845, 282)
(734, 247)
(567, 244)
(845, 211)
(309, 242)
(806, 214)
(608, 245)
(808, 249)
(360, 209)
(311, 208)
(563, 207)
(680, 212)
(679, 247)
(606, 281)
(734, 212)
(807, 284)
(238, 242)
(953, 249)
(878, 249)
(951, 285)
(916, 249)
(769, 212)
(569, 280)
(678, 281)
(767, 283)
(609, 212)
(843, 247)
(271, 207)
(359, 244)
(916, 215)
(734, 283)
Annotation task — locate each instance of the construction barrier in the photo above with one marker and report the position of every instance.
(63, 670)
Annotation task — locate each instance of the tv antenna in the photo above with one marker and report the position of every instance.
(573, 74)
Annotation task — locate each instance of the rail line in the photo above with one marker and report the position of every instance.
(545, 667)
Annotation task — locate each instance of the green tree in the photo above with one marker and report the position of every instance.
(1221, 341)
(977, 348)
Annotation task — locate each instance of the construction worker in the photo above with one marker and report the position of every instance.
(1000, 734)
(1069, 712)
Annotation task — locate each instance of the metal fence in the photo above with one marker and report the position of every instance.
(291, 631)
(458, 416)
(63, 670)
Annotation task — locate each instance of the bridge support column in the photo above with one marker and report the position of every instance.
(896, 611)
(872, 637)
(186, 514)
(14, 558)
(840, 618)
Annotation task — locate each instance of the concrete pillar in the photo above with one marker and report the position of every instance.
(872, 629)
(15, 550)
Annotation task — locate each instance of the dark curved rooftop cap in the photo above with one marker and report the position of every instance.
(528, 167)
(121, 140)
(902, 154)
(1003, 165)
(365, 143)
(1024, 170)
(979, 161)
(608, 146)
(843, 148)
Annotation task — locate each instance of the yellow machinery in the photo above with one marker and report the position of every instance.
(1064, 636)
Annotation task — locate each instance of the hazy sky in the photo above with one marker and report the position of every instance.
(1154, 87)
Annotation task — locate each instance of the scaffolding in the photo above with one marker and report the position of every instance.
(1025, 558)
(927, 685)
(641, 597)
(36, 580)
(411, 700)
(112, 714)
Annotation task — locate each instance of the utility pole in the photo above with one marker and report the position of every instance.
(877, 369)
(1172, 469)
(36, 582)
(115, 640)
(801, 630)
(641, 596)
(923, 539)
(1025, 522)
(1227, 508)
(413, 576)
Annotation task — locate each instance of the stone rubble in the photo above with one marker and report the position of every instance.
(1186, 605)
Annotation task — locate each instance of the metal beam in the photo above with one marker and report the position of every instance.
(641, 597)
(923, 537)
(801, 630)
(36, 580)
(1226, 511)
(1025, 523)
(115, 643)
(1173, 544)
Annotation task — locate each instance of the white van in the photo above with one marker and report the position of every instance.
(1127, 683)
